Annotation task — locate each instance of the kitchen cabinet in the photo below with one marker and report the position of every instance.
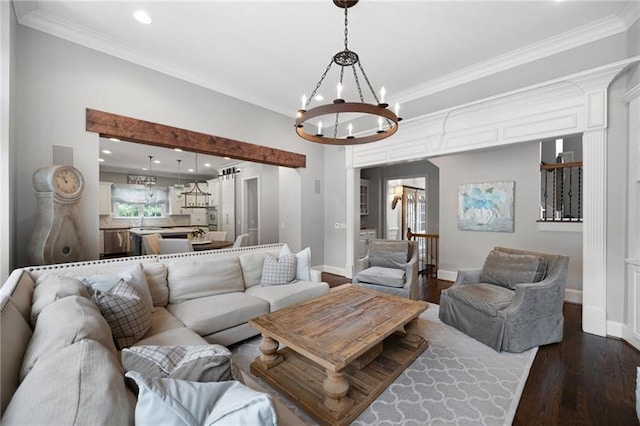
(104, 198)
(101, 244)
(364, 240)
(176, 201)
(198, 217)
(214, 190)
(364, 196)
(227, 210)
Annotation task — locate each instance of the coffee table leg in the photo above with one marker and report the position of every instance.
(269, 348)
(335, 388)
(412, 338)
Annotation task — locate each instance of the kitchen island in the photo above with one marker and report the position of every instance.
(173, 232)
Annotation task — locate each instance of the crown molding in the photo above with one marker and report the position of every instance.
(566, 41)
(30, 15)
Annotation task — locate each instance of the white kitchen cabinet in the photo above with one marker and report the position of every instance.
(364, 240)
(214, 190)
(104, 198)
(176, 201)
(227, 209)
(198, 217)
(364, 196)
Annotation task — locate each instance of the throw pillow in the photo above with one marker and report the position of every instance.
(201, 363)
(127, 314)
(278, 270)
(52, 287)
(134, 276)
(303, 262)
(171, 401)
(508, 270)
(251, 264)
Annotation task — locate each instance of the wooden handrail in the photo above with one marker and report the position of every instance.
(544, 166)
(410, 235)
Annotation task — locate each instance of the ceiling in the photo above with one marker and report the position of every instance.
(270, 53)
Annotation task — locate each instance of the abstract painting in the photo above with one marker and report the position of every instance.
(486, 206)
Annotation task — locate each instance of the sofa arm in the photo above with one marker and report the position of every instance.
(468, 276)
(361, 264)
(535, 300)
(411, 276)
(316, 276)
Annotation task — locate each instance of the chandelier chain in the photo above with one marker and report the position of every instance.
(355, 77)
(346, 27)
(373, 92)
(313, 93)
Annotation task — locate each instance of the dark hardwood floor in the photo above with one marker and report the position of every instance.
(583, 380)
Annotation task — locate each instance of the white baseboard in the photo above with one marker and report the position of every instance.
(447, 275)
(331, 269)
(573, 296)
(616, 329)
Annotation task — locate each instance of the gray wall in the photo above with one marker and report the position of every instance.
(335, 207)
(468, 249)
(56, 80)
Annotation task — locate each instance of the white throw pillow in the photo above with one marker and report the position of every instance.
(303, 262)
(172, 401)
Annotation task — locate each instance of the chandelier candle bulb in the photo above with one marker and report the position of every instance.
(319, 128)
(304, 102)
(339, 92)
(383, 93)
(380, 125)
(350, 127)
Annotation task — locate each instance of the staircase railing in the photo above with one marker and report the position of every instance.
(428, 252)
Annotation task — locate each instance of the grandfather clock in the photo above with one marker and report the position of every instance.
(55, 238)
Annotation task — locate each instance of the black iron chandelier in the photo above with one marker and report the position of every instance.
(387, 120)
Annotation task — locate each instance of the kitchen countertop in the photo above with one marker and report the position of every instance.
(163, 231)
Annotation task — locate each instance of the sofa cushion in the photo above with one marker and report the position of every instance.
(14, 339)
(63, 323)
(508, 270)
(278, 270)
(283, 295)
(70, 387)
(208, 315)
(193, 278)
(174, 336)
(180, 402)
(156, 274)
(51, 287)
(162, 320)
(126, 312)
(486, 298)
(199, 363)
(251, 264)
(389, 277)
(390, 254)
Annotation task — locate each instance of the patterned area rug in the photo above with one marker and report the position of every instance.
(457, 380)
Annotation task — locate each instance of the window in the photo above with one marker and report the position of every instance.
(134, 201)
(561, 180)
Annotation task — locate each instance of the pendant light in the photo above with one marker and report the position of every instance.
(196, 197)
(179, 187)
(150, 191)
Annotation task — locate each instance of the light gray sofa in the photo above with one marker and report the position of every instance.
(513, 303)
(76, 376)
(390, 266)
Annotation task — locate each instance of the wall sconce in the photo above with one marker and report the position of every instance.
(397, 197)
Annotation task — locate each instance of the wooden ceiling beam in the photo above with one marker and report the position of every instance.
(130, 129)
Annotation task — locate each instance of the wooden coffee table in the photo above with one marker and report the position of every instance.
(342, 350)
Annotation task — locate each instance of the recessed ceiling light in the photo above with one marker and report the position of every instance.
(191, 170)
(177, 149)
(319, 97)
(101, 160)
(106, 151)
(142, 17)
(156, 161)
(114, 139)
(207, 165)
(144, 168)
(227, 158)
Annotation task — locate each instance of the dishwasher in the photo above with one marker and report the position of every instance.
(116, 242)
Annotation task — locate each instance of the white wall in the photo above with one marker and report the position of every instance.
(468, 249)
(57, 80)
(289, 201)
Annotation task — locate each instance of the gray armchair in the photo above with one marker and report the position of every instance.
(390, 266)
(513, 303)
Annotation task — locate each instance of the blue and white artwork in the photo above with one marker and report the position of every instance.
(486, 206)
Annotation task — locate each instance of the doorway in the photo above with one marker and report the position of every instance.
(251, 210)
(406, 207)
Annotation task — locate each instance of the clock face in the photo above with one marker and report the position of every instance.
(67, 181)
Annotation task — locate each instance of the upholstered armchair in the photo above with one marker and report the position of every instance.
(513, 303)
(390, 266)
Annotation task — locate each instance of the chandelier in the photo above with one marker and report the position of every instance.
(387, 120)
(150, 191)
(196, 197)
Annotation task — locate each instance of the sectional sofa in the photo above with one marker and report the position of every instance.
(61, 357)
